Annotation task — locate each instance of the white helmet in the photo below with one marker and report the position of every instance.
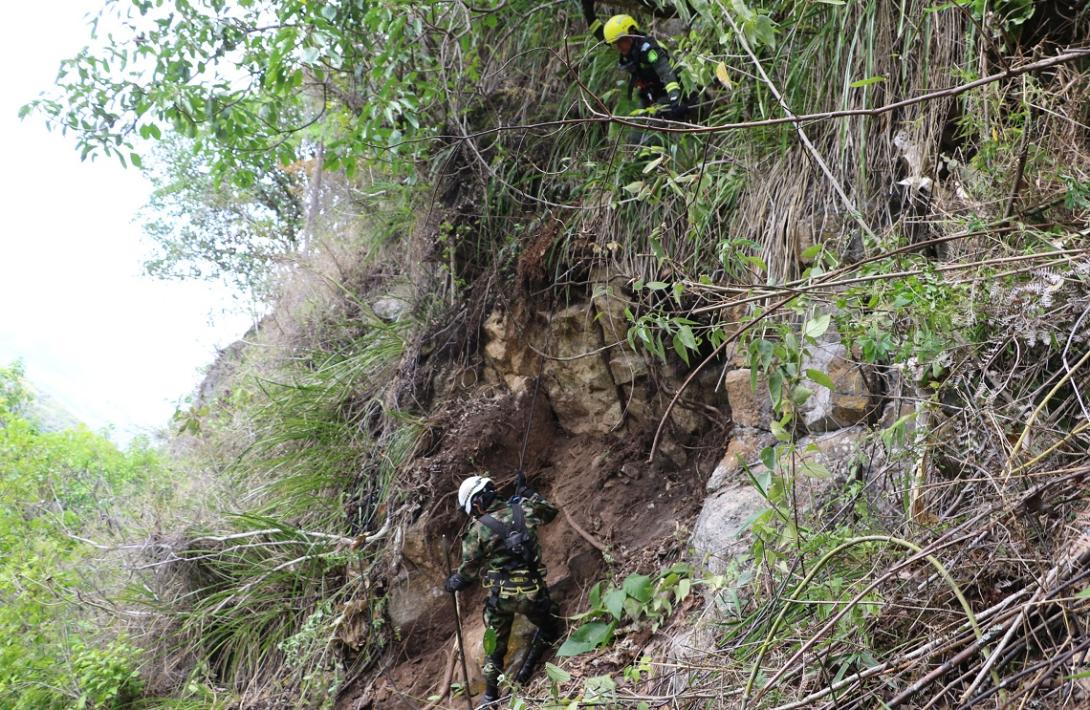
(469, 488)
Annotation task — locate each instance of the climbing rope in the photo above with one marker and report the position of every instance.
(533, 400)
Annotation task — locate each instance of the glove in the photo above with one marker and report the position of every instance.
(678, 107)
(455, 583)
(522, 489)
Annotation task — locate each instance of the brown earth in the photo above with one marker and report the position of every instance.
(641, 512)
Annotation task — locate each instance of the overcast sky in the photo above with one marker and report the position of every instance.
(115, 347)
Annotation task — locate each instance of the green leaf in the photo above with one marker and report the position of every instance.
(687, 337)
(816, 469)
(680, 349)
(866, 82)
(634, 187)
(614, 602)
(775, 387)
(594, 597)
(557, 674)
(821, 378)
(633, 608)
(655, 285)
(653, 164)
(489, 641)
(638, 586)
(683, 588)
(801, 393)
(811, 252)
(768, 458)
(816, 327)
(586, 638)
(779, 432)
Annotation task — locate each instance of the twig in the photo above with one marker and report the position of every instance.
(594, 542)
(848, 204)
(664, 126)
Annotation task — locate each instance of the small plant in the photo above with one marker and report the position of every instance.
(640, 599)
(107, 677)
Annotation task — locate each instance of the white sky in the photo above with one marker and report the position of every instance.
(115, 347)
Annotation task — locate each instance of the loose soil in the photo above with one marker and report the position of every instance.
(640, 511)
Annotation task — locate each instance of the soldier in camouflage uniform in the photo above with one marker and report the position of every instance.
(501, 549)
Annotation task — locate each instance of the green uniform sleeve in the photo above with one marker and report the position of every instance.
(473, 551)
(539, 510)
(594, 25)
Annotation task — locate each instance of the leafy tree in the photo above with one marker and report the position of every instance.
(55, 488)
(250, 82)
(205, 229)
(13, 391)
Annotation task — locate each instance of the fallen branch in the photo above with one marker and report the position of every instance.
(594, 542)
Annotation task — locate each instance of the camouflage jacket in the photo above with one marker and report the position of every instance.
(482, 549)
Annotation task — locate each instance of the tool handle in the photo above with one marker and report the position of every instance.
(458, 629)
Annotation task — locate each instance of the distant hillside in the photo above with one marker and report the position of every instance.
(48, 413)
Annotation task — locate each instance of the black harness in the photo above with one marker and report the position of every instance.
(522, 564)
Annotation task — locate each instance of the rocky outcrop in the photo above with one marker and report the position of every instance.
(506, 355)
(750, 407)
(577, 378)
(718, 532)
(847, 403)
(743, 449)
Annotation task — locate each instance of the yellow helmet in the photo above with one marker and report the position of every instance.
(618, 26)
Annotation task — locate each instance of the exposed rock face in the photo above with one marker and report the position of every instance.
(749, 407)
(743, 449)
(625, 365)
(717, 533)
(412, 598)
(581, 390)
(847, 403)
(506, 359)
(414, 595)
(821, 461)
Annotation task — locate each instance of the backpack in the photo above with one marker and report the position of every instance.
(517, 539)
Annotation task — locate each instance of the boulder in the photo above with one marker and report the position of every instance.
(820, 461)
(749, 407)
(717, 533)
(390, 308)
(412, 598)
(581, 390)
(849, 400)
(743, 449)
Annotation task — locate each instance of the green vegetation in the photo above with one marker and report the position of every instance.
(478, 157)
(204, 228)
(639, 599)
(59, 488)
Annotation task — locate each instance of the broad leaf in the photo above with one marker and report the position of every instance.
(638, 586)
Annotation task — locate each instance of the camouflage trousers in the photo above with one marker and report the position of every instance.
(499, 614)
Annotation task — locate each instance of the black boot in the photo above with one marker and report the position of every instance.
(490, 697)
(529, 664)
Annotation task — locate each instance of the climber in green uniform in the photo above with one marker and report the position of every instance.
(501, 548)
(651, 75)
